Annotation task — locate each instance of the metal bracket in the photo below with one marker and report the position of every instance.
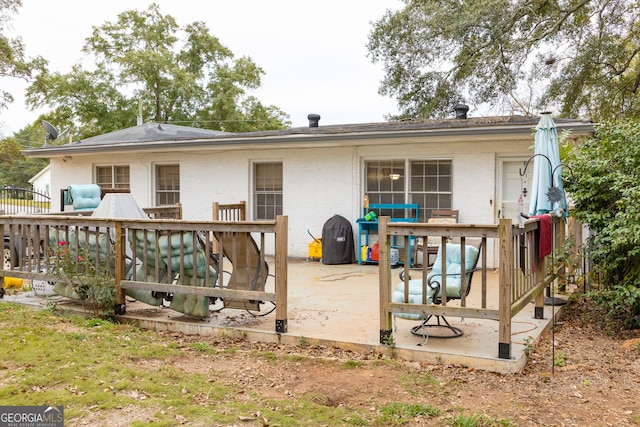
(281, 326)
(120, 309)
(385, 336)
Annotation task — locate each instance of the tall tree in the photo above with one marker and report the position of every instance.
(576, 57)
(140, 62)
(16, 169)
(13, 63)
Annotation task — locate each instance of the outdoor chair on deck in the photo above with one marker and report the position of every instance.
(82, 197)
(446, 213)
(229, 212)
(250, 270)
(458, 284)
(434, 242)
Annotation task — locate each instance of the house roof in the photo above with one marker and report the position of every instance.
(155, 136)
(404, 125)
(149, 132)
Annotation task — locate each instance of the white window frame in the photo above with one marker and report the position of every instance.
(113, 183)
(157, 191)
(400, 171)
(260, 207)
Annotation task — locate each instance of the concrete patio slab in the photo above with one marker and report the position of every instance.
(338, 305)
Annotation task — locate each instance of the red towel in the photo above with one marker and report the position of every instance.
(545, 235)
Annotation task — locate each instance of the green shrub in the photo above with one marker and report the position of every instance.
(621, 303)
(603, 180)
(91, 279)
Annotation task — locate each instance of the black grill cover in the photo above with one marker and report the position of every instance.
(337, 241)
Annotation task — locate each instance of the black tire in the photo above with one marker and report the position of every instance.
(269, 306)
(9, 257)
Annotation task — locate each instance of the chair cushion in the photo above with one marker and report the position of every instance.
(84, 197)
(453, 270)
(453, 259)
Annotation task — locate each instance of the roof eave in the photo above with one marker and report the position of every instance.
(309, 140)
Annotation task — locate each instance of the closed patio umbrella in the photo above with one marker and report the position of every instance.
(547, 192)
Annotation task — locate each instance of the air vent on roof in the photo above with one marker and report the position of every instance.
(461, 111)
(313, 120)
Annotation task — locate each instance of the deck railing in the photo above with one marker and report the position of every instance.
(34, 241)
(154, 212)
(523, 275)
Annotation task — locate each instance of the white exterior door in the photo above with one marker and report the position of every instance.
(511, 186)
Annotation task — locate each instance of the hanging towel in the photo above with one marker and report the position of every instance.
(544, 235)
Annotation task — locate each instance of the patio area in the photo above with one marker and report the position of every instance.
(338, 305)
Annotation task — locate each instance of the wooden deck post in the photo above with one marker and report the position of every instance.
(504, 298)
(282, 241)
(120, 253)
(384, 274)
(540, 275)
(575, 232)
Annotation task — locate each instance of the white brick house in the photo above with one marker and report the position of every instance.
(313, 173)
(41, 182)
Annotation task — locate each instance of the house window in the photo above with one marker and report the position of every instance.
(112, 176)
(385, 184)
(167, 184)
(428, 184)
(267, 194)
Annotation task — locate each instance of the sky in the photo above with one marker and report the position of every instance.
(313, 53)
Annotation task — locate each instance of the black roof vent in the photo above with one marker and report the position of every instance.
(461, 111)
(313, 120)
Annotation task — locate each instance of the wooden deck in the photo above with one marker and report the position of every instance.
(343, 305)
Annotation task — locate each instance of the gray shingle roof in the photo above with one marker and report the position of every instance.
(402, 125)
(155, 136)
(150, 132)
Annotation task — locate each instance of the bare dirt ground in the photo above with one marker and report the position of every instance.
(590, 378)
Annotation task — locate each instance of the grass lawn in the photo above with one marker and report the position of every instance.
(107, 374)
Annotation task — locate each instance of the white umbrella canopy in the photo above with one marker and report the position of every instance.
(119, 205)
(547, 191)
